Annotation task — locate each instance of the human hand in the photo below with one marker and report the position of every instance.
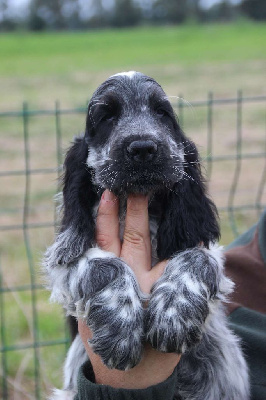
(135, 250)
(136, 247)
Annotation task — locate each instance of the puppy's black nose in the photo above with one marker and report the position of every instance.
(142, 150)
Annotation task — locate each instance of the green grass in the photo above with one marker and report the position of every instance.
(60, 53)
(188, 59)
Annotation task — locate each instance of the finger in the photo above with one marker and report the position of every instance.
(107, 224)
(154, 274)
(147, 279)
(136, 248)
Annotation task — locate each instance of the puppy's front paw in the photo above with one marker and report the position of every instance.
(180, 301)
(115, 314)
(174, 324)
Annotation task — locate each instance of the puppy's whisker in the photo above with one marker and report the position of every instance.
(190, 162)
(189, 177)
(180, 98)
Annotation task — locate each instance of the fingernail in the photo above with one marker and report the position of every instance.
(108, 196)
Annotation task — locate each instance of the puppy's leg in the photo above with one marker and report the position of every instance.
(181, 299)
(103, 290)
(215, 368)
(76, 356)
(115, 316)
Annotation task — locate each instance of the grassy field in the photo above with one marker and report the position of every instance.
(191, 60)
(40, 68)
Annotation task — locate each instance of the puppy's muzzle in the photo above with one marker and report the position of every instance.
(142, 151)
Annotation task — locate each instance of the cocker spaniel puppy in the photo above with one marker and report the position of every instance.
(133, 144)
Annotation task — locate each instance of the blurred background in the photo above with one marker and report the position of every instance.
(210, 58)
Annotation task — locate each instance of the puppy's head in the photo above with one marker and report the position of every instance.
(133, 144)
(134, 141)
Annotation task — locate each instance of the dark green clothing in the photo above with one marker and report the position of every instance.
(250, 326)
(246, 265)
(88, 390)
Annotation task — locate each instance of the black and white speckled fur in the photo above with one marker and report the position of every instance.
(133, 144)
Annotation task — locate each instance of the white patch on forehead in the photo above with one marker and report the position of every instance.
(129, 74)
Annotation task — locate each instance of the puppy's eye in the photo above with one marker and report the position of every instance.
(109, 118)
(160, 112)
(110, 114)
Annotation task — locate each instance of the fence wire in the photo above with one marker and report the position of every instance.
(231, 134)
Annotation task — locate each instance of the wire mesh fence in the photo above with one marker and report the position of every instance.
(231, 136)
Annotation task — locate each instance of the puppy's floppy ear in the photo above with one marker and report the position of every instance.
(77, 227)
(189, 217)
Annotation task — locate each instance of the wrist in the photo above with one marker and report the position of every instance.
(154, 367)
